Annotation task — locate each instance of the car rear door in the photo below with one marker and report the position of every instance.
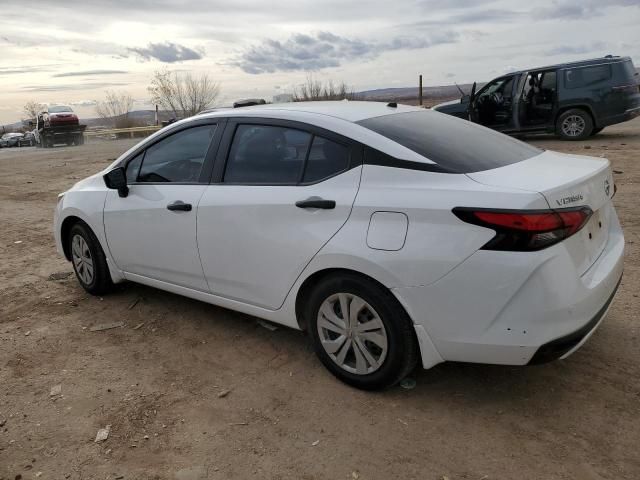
(151, 233)
(280, 191)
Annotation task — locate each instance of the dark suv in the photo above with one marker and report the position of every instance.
(574, 100)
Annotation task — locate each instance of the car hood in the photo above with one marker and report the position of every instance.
(446, 104)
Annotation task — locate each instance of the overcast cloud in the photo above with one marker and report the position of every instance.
(73, 51)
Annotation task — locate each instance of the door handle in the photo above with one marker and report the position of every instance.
(179, 206)
(316, 202)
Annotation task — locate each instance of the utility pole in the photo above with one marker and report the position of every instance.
(156, 115)
(420, 89)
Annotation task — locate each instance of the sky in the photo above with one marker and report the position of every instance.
(72, 51)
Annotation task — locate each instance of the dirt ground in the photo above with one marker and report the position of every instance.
(160, 381)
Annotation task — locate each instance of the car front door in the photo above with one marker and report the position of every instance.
(281, 190)
(492, 106)
(151, 233)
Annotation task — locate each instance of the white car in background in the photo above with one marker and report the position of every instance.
(391, 234)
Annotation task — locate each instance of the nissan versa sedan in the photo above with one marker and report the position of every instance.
(391, 234)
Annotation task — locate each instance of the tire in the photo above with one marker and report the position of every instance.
(356, 360)
(574, 124)
(84, 248)
(596, 131)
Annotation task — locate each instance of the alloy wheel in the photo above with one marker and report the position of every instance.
(573, 126)
(82, 259)
(352, 333)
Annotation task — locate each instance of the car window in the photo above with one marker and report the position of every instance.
(263, 154)
(456, 145)
(133, 168)
(177, 158)
(585, 76)
(326, 158)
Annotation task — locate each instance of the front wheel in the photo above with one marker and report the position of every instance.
(574, 124)
(89, 262)
(360, 332)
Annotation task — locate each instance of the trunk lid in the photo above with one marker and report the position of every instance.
(565, 181)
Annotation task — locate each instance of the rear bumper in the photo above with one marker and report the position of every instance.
(629, 114)
(565, 346)
(515, 308)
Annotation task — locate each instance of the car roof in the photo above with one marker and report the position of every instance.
(576, 64)
(351, 111)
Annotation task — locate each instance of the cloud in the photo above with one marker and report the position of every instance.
(167, 52)
(576, 49)
(25, 69)
(89, 73)
(302, 52)
(70, 87)
(564, 10)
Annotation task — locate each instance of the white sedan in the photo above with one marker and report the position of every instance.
(390, 234)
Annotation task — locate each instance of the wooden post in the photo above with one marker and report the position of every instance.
(420, 90)
(156, 115)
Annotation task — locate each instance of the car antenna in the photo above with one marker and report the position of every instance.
(459, 89)
(392, 105)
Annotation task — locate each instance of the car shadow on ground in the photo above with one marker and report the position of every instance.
(191, 321)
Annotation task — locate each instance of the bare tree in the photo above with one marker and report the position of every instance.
(183, 93)
(315, 90)
(32, 108)
(116, 108)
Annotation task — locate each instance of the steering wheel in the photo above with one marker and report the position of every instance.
(497, 98)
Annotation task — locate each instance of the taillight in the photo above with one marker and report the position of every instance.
(526, 230)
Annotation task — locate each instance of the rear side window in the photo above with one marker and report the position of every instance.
(267, 154)
(455, 145)
(272, 155)
(326, 158)
(586, 76)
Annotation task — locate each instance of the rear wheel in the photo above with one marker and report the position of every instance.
(360, 332)
(89, 262)
(574, 124)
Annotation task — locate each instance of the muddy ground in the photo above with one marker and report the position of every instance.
(160, 381)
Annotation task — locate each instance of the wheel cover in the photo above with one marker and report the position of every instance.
(82, 260)
(352, 333)
(573, 126)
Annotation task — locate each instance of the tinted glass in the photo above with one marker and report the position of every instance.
(60, 109)
(178, 158)
(266, 154)
(456, 145)
(326, 158)
(629, 70)
(133, 168)
(585, 76)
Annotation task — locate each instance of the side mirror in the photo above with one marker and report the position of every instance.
(117, 180)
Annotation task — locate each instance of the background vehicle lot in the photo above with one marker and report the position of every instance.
(574, 419)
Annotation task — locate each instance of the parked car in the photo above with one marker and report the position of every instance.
(391, 234)
(27, 140)
(11, 139)
(574, 100)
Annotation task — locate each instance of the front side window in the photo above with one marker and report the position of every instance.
(263, 154)
(586, 76)
(133, 168)
(178, 158)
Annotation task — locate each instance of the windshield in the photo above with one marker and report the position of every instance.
(458, 146)
(60, 109)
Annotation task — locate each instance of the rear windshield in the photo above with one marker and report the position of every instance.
(456, 145)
